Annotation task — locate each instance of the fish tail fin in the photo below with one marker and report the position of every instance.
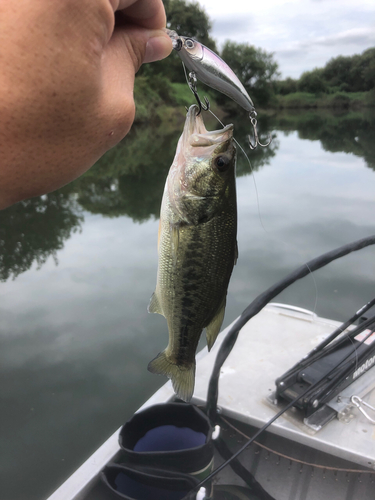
(183, 379)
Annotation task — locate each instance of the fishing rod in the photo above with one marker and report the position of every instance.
(272, 420)
(319, 351)
(261, 301)
(265, 426)
(321, 389)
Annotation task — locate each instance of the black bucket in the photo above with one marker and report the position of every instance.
(146, 484)
(171, 437)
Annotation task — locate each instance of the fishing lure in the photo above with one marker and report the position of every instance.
(209, 68)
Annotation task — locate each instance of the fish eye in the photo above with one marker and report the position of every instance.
(222, 163)
(189, 43)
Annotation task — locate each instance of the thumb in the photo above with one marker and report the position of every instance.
(133, 45)
(158, 47)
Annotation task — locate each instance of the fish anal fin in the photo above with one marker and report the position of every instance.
(213, 329)
(154, 306)
(183, 378)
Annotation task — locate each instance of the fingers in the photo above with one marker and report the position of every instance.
(146, 13)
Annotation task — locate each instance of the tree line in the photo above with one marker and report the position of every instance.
(341, 74)
(257, 69)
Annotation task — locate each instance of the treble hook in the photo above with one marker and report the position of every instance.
(192, 82)
(254, 122)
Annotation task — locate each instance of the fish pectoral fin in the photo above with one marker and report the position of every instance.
(154, 306)
(175, 240)
(213, 329)
(183, 378)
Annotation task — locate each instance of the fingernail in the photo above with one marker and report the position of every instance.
(158, 47)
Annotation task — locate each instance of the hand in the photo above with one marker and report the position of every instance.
(66, 85)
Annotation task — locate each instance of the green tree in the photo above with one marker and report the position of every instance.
(313, 82)
(287, 86)
(336, 72)
(256, 69)
(363, 71)
(351, 73)
(368, 72)
(349, 132)
(187, 19)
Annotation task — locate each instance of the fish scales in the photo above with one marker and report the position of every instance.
(192, 289)
(197, 247)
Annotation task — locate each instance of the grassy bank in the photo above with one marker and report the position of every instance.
(343, 100)
(160, 101)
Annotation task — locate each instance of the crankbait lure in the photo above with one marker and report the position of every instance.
(209, 68)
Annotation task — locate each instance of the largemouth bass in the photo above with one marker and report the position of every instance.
(197, 247)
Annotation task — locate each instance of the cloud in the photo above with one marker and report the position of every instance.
(231, 26)
(302, 34)
(357, 36)
(297, 56)
(296, 53)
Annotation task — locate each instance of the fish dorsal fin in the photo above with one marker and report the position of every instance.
(154, 306)
(213, 329)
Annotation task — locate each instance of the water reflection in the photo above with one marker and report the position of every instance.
(338, 132)
(76, 340)
(33, 230)
(129, 179)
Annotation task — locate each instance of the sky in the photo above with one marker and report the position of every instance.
(302, 34)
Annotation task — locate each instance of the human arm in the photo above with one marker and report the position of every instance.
(66, 85)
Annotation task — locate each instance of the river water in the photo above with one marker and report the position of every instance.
(78, 266)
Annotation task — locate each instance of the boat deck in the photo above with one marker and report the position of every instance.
(267, 347)
(291, 461)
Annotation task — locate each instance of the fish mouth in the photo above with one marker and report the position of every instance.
(195, 133)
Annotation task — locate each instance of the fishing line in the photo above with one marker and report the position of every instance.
(186, 77)
(278, 240)
(255, 307)
(287, 244)
(293, 459)
(261, 301)
(259, 213)
(241, 148)
(251, 169)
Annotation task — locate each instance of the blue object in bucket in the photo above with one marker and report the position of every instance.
(170, 438)
(139, 491)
